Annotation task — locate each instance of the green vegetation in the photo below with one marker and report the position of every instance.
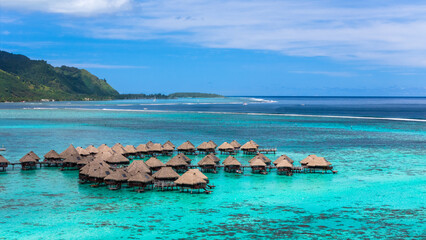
(22, 79)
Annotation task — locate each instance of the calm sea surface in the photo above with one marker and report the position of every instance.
(378, 145)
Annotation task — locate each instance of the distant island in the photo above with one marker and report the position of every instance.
(23, 79)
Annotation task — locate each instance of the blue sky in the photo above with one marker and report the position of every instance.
(236, 47)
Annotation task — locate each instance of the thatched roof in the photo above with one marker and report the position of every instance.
(235, 144)
(72, 158)
(248, 146)
(117, 158)
(226, 147)
(213, 143)
(166, 173)
(308, 159)
(153, 162)
(155, 147)
(69, 151)
(203, 146)
(149, 144)
(142, 148)
(3, 160)
(214, 157)
(130, 149)
(141, 178)
(33, 155)
(231, 161)
(257, 163)
(92, 150)
(168, 148)
(206, 161)
(168, 143)
(103, 148)
(318, 162)
(103, 156)
(198, 173)
(118, 175)
(254, 143)
(261, 157)
(82, 151)
(99, 172)
(118, 148)
(52, 154)
(138, 166)
(27, 158)
(183, 157)
(176, 161)
(284, 164)
(189, 178)
(187, 146)
(283, 157)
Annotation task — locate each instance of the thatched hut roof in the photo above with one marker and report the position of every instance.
(27, 158)
(92, 149)
(168, 143)
(249, 146)
(118, 148)
(284, 164)
(100, 172)
(261, 157)
(226, 147)
(187, 146)
(103, 156)
(213, 143)
(166, 173)
(214, 157)
(235, 144)
(3, 160)
(189, 178)
(283, 157)
(198, 173)
(183, 157)
(69, 151)
(142, 148)
(141, 178)
(206, 161)
(308, 159)
(154, 162)
(82, 151)
(117, 158)
(149, 144)
(318, 162)
(72, 158)
(118, 175)
(33, 155)
(257, 163)
(176, 161)
(203, 146)
(254, 143)
(130, 149)
(52, 154)
(168, 147)
(104, 148)
(138, 166)
(155, 147)
(231, 161)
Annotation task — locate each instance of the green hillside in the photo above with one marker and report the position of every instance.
(22, 79)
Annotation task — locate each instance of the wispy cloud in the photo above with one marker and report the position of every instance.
(92, 65)
(388, 33)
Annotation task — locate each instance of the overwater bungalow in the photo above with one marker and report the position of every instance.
(206, 147)
(231, 164)
(141, 150)
(130, 151)
(104, 148)
(98, 174)
(226, 148)
(28, 162)
(70, 161)
(168, 143)
(284, 167)
(117, 159)
(83, 152)
(187, 148)
(305, 161)
(138, 166)
(213, 143)
(183, 157)
(154, 164)
(155, 149)
(92, 150)
(262, 157)
(165, 178)
(199, 174)
(236, 145)
(33, 155)
(214, 157)
(116, 179)
(207, 164)
(69, 151)
(3, 163)
(102, 156)
(249, 148)
(168, 149)
(52, 158)
(149, 144)
(258, 166)
(140, 181)
(319, 163)
(191, 181)
(254, 143)
(281, 158)
(118, 148)
(84, 171)
(178, 164)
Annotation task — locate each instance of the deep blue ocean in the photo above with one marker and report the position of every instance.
(377, 145)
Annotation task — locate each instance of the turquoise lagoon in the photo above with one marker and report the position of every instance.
(378, 193)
